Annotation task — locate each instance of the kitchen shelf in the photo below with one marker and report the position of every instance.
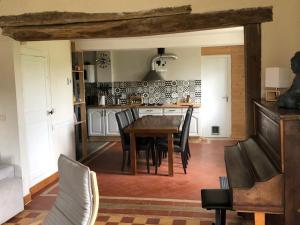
(79, 122)
(79, 103)
(79, 106)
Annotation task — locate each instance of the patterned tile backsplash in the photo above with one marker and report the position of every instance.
(153, 92)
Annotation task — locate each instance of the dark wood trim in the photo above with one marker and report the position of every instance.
(36, 189)
(252, 44)
(55, 18)
(43, 184)
(27, 199)
(141, 26)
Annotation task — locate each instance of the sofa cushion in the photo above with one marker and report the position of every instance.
(11, 200)
(6, 171)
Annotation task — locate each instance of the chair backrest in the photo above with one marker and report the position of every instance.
(185, 129)
(129, 116)
(135, 113)
(122, 122)
(191, 109)
(78, 198)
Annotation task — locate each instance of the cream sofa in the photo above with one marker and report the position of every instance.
(11, 200)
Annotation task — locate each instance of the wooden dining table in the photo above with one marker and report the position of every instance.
(153, 126)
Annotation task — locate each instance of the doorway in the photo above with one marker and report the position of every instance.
(37, 105)
(216, 95)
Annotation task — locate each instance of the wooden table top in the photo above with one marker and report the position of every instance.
(155, 124)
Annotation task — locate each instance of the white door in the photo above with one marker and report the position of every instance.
(96, 123)
(111, 124)
(37, 105)
(216, 96)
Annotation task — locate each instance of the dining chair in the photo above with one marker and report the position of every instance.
(132, 115)
(77, 202)
(135, 113)
(129, 116)
(180, 147)
(177, 136)
(142, 144)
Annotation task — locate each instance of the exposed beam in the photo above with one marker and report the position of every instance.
(56, 18)
(141, 26)
(252, 35)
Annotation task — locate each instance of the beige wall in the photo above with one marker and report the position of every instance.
(133, 65)
(280, 38)
(217, 37)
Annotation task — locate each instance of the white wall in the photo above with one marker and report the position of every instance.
(12, 132)
(9, 134)
(218, 37)
(133, 65)
(187, 66)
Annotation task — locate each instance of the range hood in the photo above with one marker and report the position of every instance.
(156, 75)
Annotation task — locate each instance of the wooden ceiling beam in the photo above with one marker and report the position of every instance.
(141, 26)
(58, 18)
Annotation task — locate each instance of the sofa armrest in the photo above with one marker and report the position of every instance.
(6, 171)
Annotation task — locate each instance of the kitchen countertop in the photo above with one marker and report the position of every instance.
(144, 106)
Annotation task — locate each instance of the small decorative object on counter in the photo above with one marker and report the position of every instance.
(136, 99)
(102, 100)
(291, 99)
(188, 99)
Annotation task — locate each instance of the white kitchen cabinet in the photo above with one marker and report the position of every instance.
(172, 111)
(96, 122)
(111, 125)
(102, 122)
(150, 111)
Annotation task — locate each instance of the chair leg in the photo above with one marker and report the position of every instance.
(156, 159)
(123, 161)
(129, 159)
(220, 217)
(153, 154)
(187, 157)
(160, 155)
(183, 160)
(188, 149)
(147, 158)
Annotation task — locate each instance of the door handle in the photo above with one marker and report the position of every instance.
(226, 97)
(50, 112)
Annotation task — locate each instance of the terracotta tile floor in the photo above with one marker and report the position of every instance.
(147, 198)
(204, 169)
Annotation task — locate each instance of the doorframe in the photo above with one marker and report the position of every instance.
(228, 86)
(28, 51)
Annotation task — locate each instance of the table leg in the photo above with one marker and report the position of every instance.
(133, 153)
(170, 153)
(259, 218)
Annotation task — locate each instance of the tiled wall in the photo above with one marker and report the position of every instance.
(153, 91)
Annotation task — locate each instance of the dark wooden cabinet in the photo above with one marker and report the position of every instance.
(278, 130)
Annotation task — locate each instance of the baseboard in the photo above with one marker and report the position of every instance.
(36, 189)
(27, 199)
(104, 138)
